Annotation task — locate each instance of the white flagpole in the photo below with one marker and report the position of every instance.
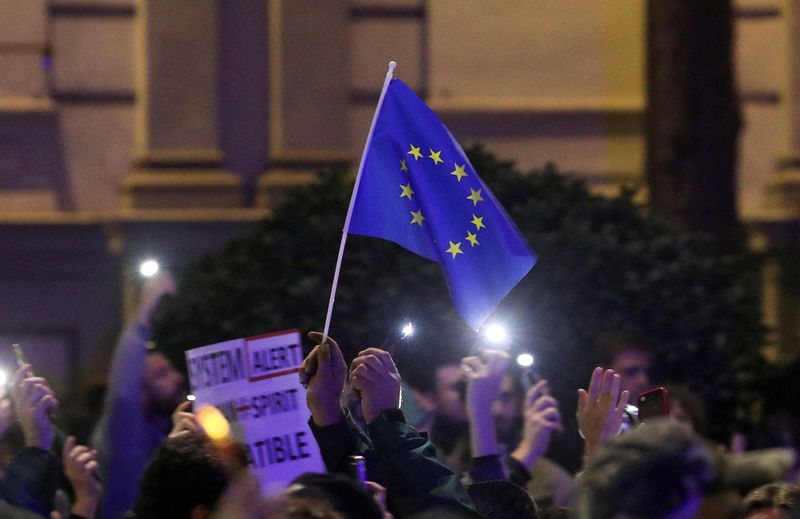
(386, 81)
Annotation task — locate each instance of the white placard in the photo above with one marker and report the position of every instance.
(254, 383)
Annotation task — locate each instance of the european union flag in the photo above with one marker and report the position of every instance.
(418, 189)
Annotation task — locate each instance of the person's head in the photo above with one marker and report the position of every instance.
(772, 501)
(328, 496)
(554, 513)
(686, 408)
(628, 355)
(163, 384)
(502, 500)
(507, 409)
(184, 480)
(657, 471)
(438, 382)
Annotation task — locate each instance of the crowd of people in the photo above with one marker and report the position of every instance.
(475, 446)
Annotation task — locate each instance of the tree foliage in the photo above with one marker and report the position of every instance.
(604, 265)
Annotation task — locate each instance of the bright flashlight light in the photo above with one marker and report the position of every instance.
(525, 360)
(3, 377)
(407, 331)
(191, 398)
(149, 268)
(213, 422)
(495, 333)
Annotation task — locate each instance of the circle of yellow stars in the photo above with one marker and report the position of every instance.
(459, 171)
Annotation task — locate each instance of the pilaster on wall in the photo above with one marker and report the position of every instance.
(27, 112)
(177, 151)
(308, 92)
(783, 190)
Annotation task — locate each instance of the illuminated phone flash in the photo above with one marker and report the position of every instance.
(525, 360)
(213, 422)
(495, 333)
(149, 268)
(3, 377)
(191, 398)
(407, 331)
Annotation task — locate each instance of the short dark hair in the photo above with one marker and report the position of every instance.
(692, 404)
(554, 513)
(344, 495)
(502, 500)
(651, 472)
(773, 495)
(608, 344)
(186, 472)
(419, 367)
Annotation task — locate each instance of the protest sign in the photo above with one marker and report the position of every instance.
(254, 383)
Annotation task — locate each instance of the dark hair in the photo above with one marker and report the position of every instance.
(554, 513)
(186, 472)
(691, 404)
(502, 500)
(773, 495)
(609, 344)
(418, 367)
(651, 472)
(342, 494)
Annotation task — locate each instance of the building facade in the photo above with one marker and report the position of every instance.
(163, 128)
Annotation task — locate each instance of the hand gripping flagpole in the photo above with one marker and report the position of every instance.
(346, 227)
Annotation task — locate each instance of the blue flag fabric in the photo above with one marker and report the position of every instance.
(419, 190)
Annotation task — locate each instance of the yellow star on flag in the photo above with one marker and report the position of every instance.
(407, 191)
(472, 239)
(459, 171)
(477, 221)
(435, 157)
(475, 196)
(414, 151)
(418, 218)
(455, 249)
(403, 166)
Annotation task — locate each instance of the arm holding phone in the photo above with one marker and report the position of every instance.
(484, 378)
(541, 419)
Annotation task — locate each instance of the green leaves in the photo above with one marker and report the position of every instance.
(604, 265)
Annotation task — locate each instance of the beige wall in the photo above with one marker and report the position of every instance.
(123, 126)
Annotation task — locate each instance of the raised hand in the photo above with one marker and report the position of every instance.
(600, 409)
(153, 290)
(323, 372)
(80, 462)
(184, 422)
(374, 376)
(33, 401)
(542, 418)
(484, 376)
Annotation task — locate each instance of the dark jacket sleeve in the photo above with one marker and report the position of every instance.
(517, 473)
(31, 480)
(338, 441)
(486, 468)
(407, 466)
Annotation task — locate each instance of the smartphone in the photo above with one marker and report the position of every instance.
(653, 404)
(358, 469)
(21, 361)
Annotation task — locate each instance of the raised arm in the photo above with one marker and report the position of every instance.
(406, 461)
(542, 418)
(323, 372)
